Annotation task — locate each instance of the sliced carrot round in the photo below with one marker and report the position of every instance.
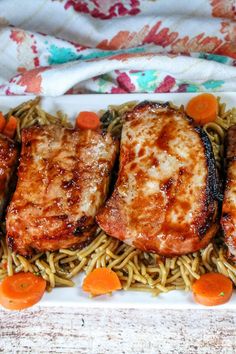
(21, 290)
(203, 108)
(2, 122)
(87, 120)
(212, 289)
(101, 281)
(10, 127)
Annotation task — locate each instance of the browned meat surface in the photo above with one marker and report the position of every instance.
(8, 160)
(62, 181)
(165, 196)
(228, 219)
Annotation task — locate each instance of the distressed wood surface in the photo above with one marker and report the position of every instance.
(75, 330)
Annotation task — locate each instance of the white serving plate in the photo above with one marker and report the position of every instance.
(72, 104)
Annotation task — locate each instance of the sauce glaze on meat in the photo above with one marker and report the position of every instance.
(165, 198)
(63, 179)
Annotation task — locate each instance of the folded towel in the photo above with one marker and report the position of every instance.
(73, 46)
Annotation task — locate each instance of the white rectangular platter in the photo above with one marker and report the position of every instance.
(71, 105)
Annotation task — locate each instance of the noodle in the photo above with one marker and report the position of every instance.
(29, 113)
(137, 270)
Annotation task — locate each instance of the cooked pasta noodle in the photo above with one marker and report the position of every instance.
(28, 114)
(137, 270)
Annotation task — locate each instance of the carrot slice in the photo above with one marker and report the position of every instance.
(87, 120)
(21, 290)
(101, 281)
(203, 108)
(2, 122)
(212, 289)
(10, 127)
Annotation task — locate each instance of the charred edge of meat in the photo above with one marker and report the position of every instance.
(113, 178)
(11, 242)
(228, 159)
(213, 184)
(11, 245)
(213, 191)
(84, 224)
(151, 105)
(88, 240)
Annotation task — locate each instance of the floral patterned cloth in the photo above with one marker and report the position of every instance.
(74, 46)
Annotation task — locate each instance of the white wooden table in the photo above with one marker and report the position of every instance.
(118, 331)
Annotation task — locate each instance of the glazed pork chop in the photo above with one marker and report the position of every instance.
(8, 160)
(228, 218)
(63, 179)
(165, 198)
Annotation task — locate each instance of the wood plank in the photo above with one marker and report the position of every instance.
(75, 330)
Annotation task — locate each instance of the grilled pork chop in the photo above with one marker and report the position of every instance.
(165, 198)
(62, 181)
(228, 218)
(8, 160)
